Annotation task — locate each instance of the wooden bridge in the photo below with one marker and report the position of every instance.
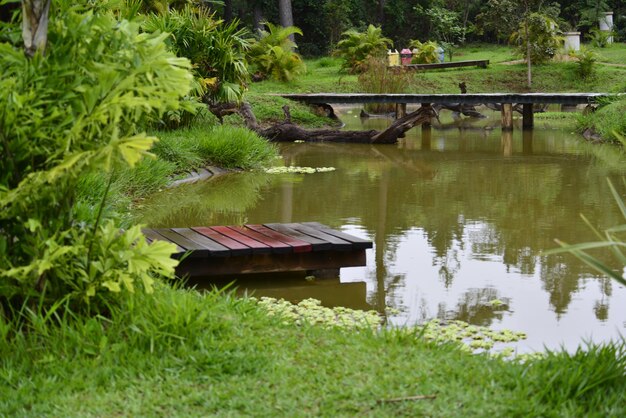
(443, 65)
(235, 250)
(527, 100)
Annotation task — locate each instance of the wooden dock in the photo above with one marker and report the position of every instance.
(274, 247)
(452, 64)
(527, 100)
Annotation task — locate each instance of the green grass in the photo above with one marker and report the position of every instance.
(183, 353)
(551, 77)
(607, 121)
(493, 53)
(614, 53)
(223, 146)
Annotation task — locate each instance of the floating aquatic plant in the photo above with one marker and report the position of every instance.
(311, 311)
(298, 170)
(472, 338)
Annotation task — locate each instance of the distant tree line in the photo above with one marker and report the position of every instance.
(451, 21)
(323, 21)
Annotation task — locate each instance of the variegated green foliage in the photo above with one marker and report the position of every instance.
(273, 54)
(357, 47)
(542, 33)
(426, 52)
(215, 48)
(79, 109)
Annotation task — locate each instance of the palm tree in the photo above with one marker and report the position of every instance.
(356, 47)
(273, 53)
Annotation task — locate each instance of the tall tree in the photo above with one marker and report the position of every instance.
(285, 14)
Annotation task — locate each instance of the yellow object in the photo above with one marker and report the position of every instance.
(393, 58)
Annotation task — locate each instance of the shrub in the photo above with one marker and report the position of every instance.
(599, 38)
(356, 47)
(586, 62)
(426, 52)
(79, 109)
(273, 53)
(216, 49)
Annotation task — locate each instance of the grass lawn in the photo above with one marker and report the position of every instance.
(323, 76)
(614, 53)
(182, 353)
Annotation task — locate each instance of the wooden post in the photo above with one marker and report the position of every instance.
(527, 116)
(507, 116)
(400, 110)
(507, 142)
(426, 106)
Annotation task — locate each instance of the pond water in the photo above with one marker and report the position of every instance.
(459, 218)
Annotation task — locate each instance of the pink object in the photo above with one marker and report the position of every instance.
(405, 56)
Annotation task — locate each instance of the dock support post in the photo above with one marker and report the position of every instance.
(528, 116)
(426, 106)
(507, 142)
(400, 110)
(507, 116)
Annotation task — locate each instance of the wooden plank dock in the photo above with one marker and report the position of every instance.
(527, 100)
(452, 64)
(273, 247)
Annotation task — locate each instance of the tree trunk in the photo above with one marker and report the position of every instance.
(228, 10)
(381, 12)
(286, 131)
(258, 18)
(35, 25)
(285, 14)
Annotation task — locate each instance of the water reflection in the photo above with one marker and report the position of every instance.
(459, 216)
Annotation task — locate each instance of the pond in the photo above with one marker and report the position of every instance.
(459, 217)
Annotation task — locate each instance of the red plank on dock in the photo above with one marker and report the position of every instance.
(257, 247)
(357, 242)
(235, 247)
(277, 247)
(298, 246)
(318, 244)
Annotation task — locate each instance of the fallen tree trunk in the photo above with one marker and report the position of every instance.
(286, 131)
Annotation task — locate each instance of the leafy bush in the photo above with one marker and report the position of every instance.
(216, 49)
(75, 111)
(599, 38)
(426, 52)
(543, 36)
(356, 47)
(273, 53)
(586, 62)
